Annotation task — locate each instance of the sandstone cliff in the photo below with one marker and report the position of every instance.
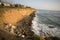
(16, 22)
(13, 15)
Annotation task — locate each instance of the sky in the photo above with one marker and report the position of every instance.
(39, 4)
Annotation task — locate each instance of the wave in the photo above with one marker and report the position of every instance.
(43, 29)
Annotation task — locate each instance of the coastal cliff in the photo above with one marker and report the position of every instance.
(13, 15)
(15, 21)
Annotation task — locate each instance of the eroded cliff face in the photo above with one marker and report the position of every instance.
(16, 21)
(13, 15)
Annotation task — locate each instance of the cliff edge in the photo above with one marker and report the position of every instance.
(15, 21)
(13, 15)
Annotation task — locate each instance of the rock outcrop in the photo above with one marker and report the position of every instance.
(16, 22)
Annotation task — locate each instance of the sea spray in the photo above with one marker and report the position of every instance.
(47, 30)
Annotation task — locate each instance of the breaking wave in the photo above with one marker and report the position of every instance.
(47, 30)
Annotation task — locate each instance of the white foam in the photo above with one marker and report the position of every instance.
(40, 28)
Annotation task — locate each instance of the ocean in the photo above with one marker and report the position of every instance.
(46, 23)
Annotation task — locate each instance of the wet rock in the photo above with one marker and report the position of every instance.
(51, 26)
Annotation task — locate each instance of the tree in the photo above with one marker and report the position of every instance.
(16, 5)
(2, 4)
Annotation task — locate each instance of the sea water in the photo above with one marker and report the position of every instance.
(46, 23)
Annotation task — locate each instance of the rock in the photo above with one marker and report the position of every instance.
(51, 26)
(17, 22)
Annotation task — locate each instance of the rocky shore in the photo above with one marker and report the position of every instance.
(22, 30)
(15, 22)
